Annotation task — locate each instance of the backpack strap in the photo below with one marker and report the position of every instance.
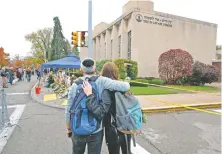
(127, 144)
(134, 140)
(79, 81)
(93, 78)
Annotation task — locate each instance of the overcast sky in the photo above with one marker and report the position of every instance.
(20, 17)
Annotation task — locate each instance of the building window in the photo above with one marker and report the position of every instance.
(111, 49)
(129, 45)
(119, 52)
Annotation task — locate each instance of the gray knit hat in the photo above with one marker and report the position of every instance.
(88, 66)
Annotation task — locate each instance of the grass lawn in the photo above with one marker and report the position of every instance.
(151, 91)
(195, 88)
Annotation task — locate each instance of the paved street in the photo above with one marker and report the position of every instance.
(41, 130)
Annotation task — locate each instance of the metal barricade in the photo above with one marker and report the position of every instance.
(4, 110)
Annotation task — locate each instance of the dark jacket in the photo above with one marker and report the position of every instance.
(99, 110)
(104, 110)
(3, 74)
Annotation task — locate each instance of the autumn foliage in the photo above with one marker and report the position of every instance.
(174, 64)
(3, 57)
(27, 62)
(18, 63)
(38, 66)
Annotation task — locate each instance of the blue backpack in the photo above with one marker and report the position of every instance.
(82, 120)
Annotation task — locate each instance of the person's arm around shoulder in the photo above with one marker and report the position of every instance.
(98, 110)
(114, 85)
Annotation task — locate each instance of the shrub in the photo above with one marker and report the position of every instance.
(99, 64)
(135, 84)
(203, 73)
(157, 81)
(142, 80)
(122, 70)
(131, 71)
(197, 73)
(78, 74)
(183, 80)
(174, 64)
(211, 74)
(150, 78)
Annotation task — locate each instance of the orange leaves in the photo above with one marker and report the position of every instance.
(27, 62)
(38, 66)
(3, 57)
(18, 63)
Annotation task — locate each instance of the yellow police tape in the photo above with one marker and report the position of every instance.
(184, 106)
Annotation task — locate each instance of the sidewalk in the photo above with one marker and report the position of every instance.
(149, 103)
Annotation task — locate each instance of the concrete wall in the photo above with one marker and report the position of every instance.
(138, 4)
(156, 34)
(106, 44)
(217, 64)
(83, 53)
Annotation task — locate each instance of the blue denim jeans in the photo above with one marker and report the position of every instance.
(93, 141)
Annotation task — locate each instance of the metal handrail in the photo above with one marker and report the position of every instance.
(4, 110)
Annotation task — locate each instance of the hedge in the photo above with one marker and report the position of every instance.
(157, 81)
(76, 73)
(142, 80)
(136, 84)
(99, 64)
(130, 70)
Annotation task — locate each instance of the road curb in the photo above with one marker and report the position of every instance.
(33, 96)
(181, 108)
(145, 110)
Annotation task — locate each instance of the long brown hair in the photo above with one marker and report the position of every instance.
(110, 70)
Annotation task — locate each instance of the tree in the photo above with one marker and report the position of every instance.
(4, 58)
(75, 50)
(41, 44)
(67, 47)
(59, 43)
(27, 62)
(17, 61)
(174, 64)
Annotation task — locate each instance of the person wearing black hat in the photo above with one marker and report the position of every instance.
(94, 140)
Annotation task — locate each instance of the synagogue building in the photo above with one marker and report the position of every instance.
(143, 34)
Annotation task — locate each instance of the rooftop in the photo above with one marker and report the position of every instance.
(135, 8)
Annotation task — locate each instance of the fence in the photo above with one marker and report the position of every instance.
(4, 121)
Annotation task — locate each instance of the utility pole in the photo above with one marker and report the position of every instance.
(90, 51)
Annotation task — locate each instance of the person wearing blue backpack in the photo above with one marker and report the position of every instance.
(124, 116)
(82, 126)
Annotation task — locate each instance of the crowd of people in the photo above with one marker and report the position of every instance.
(10, 75)
(91, 110)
